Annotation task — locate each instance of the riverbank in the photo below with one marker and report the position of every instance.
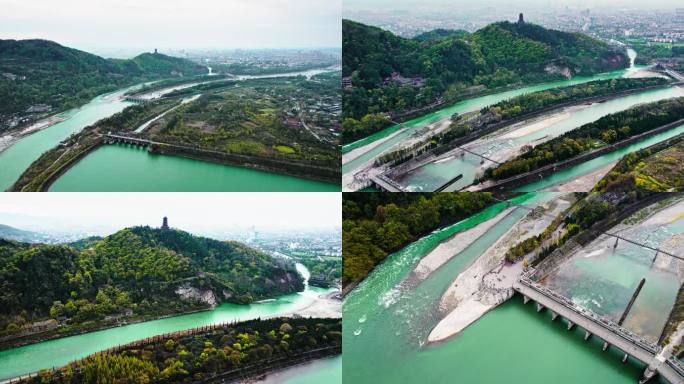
(488, 281)
(583, 183)
(10, 137)
(306, 170)
(57, 334)
(328, 370)
(531, 176)
(326, 305)
(451, 248)
(503, 141)
(42, 172)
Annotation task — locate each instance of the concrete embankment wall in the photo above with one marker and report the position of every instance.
(297, 169)
(547, 170)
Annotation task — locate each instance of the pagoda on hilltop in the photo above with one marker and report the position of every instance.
(165, 224)
(520, 19)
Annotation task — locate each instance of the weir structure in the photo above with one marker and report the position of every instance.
(112, 139)
(611, 333)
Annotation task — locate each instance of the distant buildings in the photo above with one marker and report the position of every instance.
(397, 78)
(293, 122)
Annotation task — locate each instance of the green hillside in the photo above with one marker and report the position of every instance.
(142, 270)
(453, 65)
(40, 72)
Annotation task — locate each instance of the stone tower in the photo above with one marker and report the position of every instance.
(520, 19)
(165, 224)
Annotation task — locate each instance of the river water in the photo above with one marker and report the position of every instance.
(59, 352)
(15, 159)
(385, 327)
(464, 106)
(433, 175)
(322, 371)
(603, 279)
(131, 168)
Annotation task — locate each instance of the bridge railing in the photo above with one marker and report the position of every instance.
(591, 316)
(677, 365)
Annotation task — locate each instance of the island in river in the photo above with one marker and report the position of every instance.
(221, 352)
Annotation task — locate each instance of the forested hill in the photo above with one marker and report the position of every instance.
(376, 224)
(137, 271)
(449, 64)
(41, 72)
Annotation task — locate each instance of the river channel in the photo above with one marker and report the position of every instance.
(385, 327)
(59, 352)
(509, 140)
(121, 162)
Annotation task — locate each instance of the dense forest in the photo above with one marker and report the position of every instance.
(377, 224)
(646, 171)
(604, 131)
(455, 64)
(223, 352)
(40, 72)
(139, 272)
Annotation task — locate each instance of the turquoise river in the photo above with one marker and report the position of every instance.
(58, 352)
(385, 327)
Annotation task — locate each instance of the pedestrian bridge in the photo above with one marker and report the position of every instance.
(608, 331)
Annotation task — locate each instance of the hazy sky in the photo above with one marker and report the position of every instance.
(405, 4)
(103, 213)
(175, 23)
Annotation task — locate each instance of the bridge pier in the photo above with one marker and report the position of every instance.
(605, 346)
(525, 299)
(570, 325)
(587, 335)
(554, 315)
(624, 358)
(540, 307)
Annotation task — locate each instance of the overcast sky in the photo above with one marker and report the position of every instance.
(404, 4)
(175, 23)
(103, 213)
